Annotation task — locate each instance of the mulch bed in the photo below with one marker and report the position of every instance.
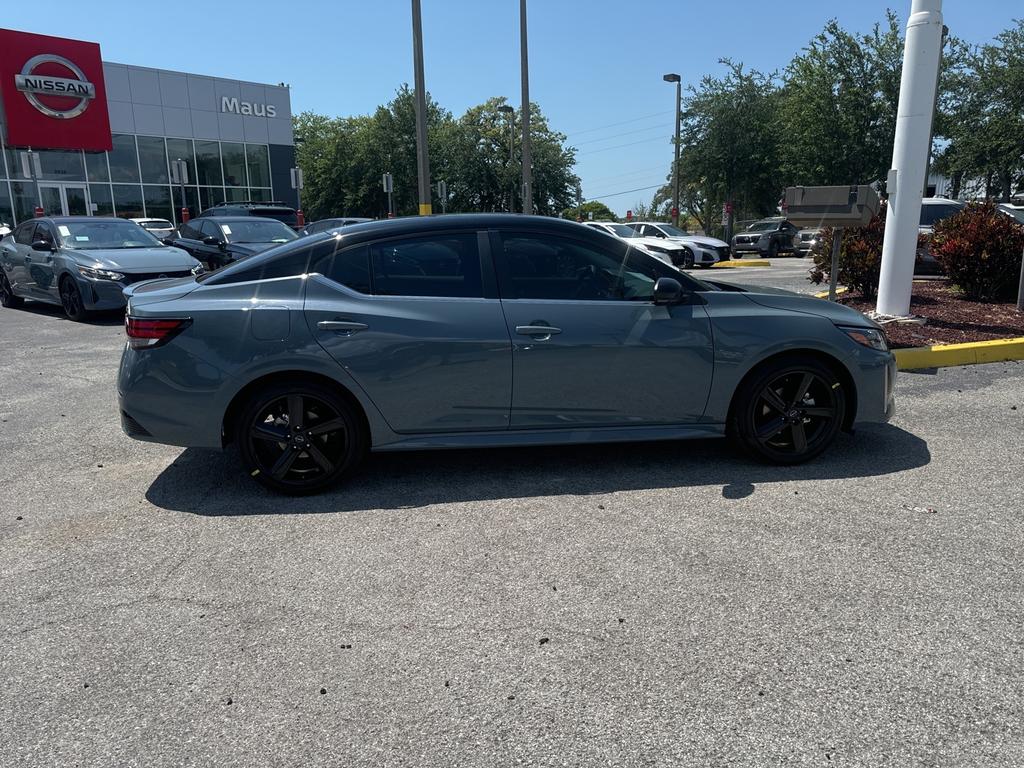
(951, 318)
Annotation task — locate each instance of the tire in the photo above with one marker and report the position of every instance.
(7, 298)
(771, 421)
(304, 461)
(71, 300)
(687, 259)
(773, 249)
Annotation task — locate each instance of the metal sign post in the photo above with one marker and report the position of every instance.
(296, 174)
(179, 176)
(442, 194)
(833, 273)
(389, 187)
(1020, 290)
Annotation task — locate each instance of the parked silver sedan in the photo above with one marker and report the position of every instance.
(83, 263)
(480, 331)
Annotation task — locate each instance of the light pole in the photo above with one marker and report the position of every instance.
(674, 78)
(527, 169)
(422, 160)
(511, 112)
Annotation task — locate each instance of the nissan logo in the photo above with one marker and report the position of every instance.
(34, 86)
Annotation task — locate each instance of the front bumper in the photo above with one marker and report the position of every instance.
(101, 294)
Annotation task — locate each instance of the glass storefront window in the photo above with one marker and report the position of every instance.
(25, 199)
(99, 195)
(237, 194)
(124, 160)
(208, 162)
(96, 166)
(181, 149)
(258, 157)
(158, 201)
(128, 201)
(6, 209)
(153, 160)
(262, 195)
(211, 196)
(234, 164)
(14, 164)
(61, 165)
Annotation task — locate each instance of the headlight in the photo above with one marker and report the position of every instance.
(868, 337)
(198, 269)
(100, 274)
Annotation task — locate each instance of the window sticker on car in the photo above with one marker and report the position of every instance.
(81, 238)
(226, 228)
(64, 231)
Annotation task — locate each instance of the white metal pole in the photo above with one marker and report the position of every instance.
(907, 177)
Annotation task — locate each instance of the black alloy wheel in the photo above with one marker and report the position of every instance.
(300, 439)
(71, 300)
(7, 297)
(789, 412)
(687, 258)
(773, 249)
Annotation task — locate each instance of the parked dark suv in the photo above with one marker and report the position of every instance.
(270, 210)
(767, 237)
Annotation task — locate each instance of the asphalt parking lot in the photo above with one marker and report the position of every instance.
(786, 272)
(657, 604)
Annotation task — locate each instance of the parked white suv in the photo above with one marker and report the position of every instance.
(673, 254)
(705, 250)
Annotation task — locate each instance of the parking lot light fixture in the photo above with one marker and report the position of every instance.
(674, 78)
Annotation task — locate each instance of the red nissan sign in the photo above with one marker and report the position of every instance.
(53, 92)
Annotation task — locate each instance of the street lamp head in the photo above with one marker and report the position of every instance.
(671, 78)
(506, 108)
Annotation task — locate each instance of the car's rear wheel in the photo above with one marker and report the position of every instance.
(7, 297)
(71, 300)
(687, 258)
(789, 411)
(300, 438)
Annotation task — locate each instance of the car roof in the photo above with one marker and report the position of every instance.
(449, 221)
(239, 219)
(941, 201)
(80, 219)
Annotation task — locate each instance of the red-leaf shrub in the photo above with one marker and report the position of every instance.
(980, 249)
(860, 257)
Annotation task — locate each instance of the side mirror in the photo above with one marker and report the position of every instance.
(210, 240)
(667, 291)
(167, 240)
(42, 245)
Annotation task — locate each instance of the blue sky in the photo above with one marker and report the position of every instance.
(595, 65)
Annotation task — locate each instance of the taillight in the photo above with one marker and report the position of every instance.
(146, 333)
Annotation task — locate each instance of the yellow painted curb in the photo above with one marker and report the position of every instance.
(747, 263)
(971, 353)
(824, 294)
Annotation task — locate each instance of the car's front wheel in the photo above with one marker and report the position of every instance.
(300, 438)
(687, 258)
(789, 411)
(71, 300)
(7, 297)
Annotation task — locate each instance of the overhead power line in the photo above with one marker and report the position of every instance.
(625, 133)
(626, 192)
(620, 146)
(637, 172)
(615, 125)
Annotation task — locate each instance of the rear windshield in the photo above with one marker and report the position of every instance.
(932, 214)
(156, 224)
(242, 231)
(286, 215)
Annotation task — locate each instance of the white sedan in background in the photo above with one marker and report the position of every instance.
(706, 250)
(673, 254)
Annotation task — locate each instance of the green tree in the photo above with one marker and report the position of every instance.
(601, 211)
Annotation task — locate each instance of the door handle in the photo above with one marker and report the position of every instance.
(539, 332)
(28, 259)
(341, 326)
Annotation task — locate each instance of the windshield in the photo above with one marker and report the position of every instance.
(156, 224)
(103, 234)
(763, 226)
(671, 231)
(1016, 213)
(932, 214)
(258, 231)
(622, 230)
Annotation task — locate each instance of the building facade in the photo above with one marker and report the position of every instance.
(235, 137)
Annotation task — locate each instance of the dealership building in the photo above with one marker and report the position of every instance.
(85, 136)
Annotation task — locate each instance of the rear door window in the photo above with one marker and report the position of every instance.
(438, 265)
(349, 267)
(23, 234)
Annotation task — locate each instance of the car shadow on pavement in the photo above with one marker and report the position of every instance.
(41, 308)
(214, 484)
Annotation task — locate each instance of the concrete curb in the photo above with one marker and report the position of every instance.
(840, 290)
(970, 353)
(735, 263)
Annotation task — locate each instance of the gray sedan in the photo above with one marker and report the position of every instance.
(83, 263)
(483, 331)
